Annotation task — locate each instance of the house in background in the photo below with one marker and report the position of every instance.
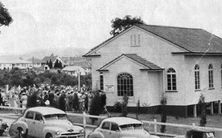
(36, 63)
(74, 70)
(78, 61)
(14, 62)
(149, 62)
(54, 60)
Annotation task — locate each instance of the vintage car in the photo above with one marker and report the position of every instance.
(120, 127)
(45, 122)
(195, 133)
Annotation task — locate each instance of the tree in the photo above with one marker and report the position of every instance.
(59, 64)
(56, 63)
(50, 63)
(120, 25)
(5, 18)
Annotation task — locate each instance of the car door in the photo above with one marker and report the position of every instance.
(105, 129)
(38, 125)
(114, 131)
(29, 118)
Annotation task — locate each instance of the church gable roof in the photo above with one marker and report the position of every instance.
(146, 64)
(190, 39)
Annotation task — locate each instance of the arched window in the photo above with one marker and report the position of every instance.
(210, 75)
(171, 79)
(197, 77)
(125, 84)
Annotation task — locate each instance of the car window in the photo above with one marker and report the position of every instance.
(114, 127)
(55, 117)
(38, 117)
(29, 115)
(131, 126)
(105, 125)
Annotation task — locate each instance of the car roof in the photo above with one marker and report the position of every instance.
(123, 120)
(46, 110)
(200, 130)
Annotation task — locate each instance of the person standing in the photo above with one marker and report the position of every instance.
(62, 102)
(1, 99)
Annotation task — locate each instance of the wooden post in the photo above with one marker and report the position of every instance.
(195, 110)
(6, 88)
(219, 107)
(155, 126)
(193, 124)
(211, 108)
(84, 121)
(78, 73)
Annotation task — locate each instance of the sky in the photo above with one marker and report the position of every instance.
(50, 24)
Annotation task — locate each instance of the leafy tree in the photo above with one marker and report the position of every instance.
(50, 63)
(17, 77)
(5, 18)
(86, 79)
(59, 64)
(126, 22)
(56, 65)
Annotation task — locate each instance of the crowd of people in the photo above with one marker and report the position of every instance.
(66, 98)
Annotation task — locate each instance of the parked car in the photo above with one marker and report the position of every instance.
(120, 127)
(196, 133)
(45, 122)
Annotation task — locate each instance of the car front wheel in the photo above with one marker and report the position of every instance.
(48, 135)
(20, 132)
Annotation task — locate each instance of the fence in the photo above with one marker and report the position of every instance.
(155, 124)
(83, 118)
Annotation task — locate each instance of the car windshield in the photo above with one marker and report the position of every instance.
(131, 127)
(55, 117)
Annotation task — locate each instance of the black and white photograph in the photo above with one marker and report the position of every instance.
(110, 69)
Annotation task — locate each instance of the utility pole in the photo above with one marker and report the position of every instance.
(78, 74)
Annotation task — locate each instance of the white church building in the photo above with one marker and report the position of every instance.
(148, 62)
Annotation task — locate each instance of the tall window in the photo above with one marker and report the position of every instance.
(171, 79)
(135, 40)
(210, 75)
(101, 81)
(125, 84)
(197, 77)
(221, 75)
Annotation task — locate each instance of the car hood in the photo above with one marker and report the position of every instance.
(64, 125)
(136, 133)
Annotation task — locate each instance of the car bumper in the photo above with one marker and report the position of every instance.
(70, 136)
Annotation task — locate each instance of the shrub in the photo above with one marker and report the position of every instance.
(95, 107)
(124, 105)
(117, 107)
